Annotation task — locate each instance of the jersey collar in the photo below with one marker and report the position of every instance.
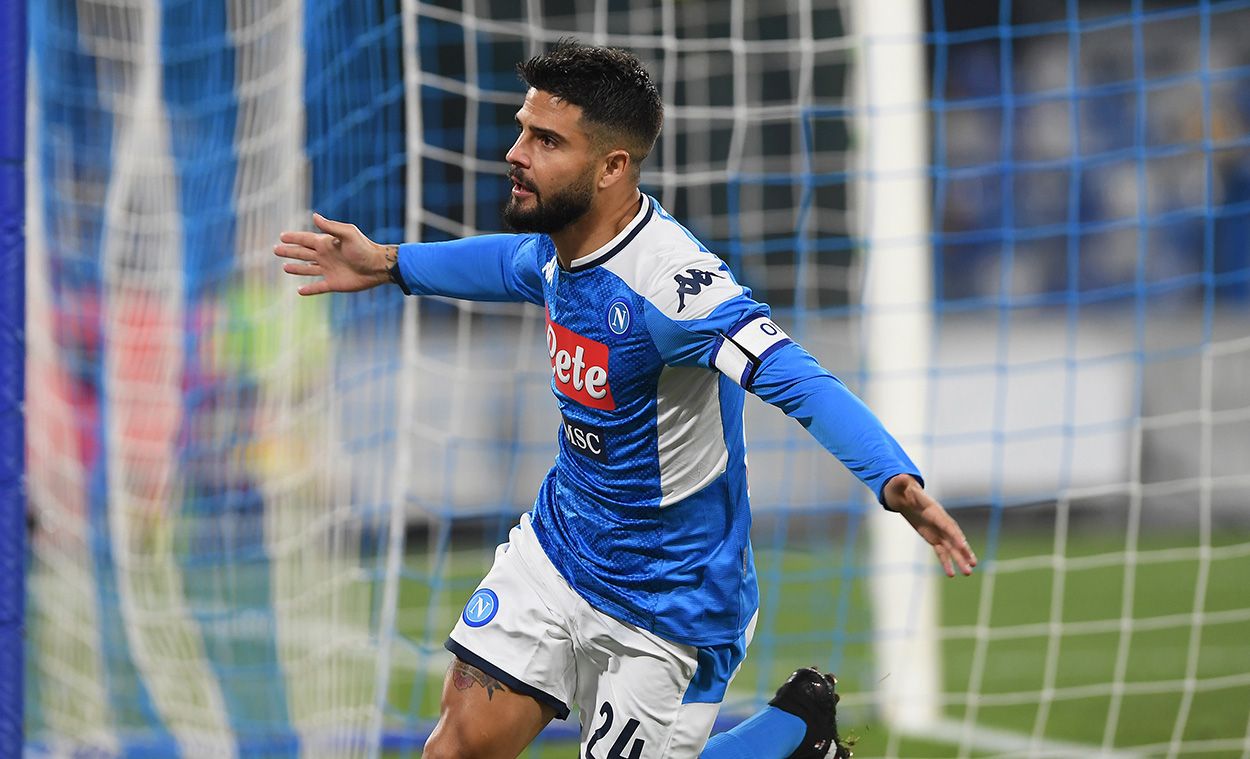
(623, 238)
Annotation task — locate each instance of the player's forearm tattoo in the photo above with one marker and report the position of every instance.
(391, 252)
(464, 677)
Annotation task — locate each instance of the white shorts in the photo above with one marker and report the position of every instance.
(638, 695)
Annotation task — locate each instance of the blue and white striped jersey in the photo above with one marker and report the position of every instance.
(652, 345)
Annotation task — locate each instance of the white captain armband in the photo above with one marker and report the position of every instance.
(740, 352)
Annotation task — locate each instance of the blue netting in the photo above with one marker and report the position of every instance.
(1090, 192)
(13, 41)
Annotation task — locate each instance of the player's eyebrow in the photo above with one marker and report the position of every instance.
(540, 131)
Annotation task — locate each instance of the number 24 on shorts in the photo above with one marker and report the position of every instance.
(618, 748)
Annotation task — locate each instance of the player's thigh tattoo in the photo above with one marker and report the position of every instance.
(465, 676)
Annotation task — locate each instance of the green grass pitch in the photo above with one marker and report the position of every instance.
(810, 615)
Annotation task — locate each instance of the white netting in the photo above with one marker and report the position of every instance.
(256, 516)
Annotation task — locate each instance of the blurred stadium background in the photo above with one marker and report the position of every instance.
(1020, 229)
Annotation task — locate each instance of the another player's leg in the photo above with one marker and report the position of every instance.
(481, 718)
(800, 722)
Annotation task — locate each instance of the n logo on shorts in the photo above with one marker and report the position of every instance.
(481, 608)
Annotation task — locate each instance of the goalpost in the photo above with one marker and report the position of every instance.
(897, 302)
(1018, 229)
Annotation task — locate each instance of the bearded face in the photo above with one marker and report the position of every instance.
(532, 209)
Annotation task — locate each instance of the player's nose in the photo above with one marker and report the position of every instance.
(516, 155)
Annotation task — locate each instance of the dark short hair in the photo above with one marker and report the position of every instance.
(611, 86)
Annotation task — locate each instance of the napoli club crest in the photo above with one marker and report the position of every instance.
(481, 608)
(619, 317)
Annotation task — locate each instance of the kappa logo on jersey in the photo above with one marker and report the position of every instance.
(586, 440)
(579, 367)
(692, 284)
(481, 608)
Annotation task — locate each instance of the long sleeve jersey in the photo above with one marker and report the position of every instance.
(653, 345)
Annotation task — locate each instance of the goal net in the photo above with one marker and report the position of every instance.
(1020, 230)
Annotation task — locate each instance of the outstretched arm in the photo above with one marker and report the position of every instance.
(794, 382)
(485, 267)
(340, 254)
(710, 321)
(753, 351)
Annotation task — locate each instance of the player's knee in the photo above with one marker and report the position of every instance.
(448, 742)
(440, 747)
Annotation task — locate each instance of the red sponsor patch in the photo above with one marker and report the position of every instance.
(579, 366)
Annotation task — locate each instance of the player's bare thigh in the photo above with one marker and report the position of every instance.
(481, 718)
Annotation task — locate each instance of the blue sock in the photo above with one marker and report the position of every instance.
(768, 734)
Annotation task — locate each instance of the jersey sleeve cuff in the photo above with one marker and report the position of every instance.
(396, 272)
(886, 481)
(398, 278)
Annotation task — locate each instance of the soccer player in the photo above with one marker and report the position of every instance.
(629, 589)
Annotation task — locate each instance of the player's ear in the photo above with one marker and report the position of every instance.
(616, 167)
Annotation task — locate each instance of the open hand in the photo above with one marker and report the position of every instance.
(927, 517)
(341, 255)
